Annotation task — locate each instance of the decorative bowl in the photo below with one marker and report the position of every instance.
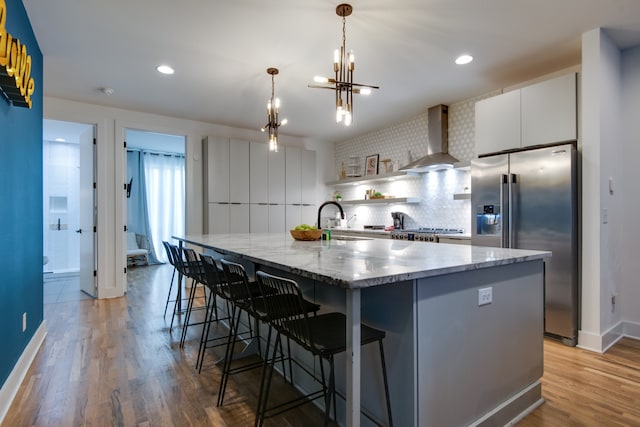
(306, 234)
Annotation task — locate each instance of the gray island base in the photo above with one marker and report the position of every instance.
(464, 323)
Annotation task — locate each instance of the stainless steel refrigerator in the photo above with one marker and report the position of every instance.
(528, 200)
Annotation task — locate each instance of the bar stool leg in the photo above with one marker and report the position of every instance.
(169, 294)
(231, 343)
(185, 324)
(386, 383)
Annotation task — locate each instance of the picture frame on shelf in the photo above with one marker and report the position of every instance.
(371, 165)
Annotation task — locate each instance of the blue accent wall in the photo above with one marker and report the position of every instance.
(20, 205)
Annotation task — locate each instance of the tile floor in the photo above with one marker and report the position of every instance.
(62, 288)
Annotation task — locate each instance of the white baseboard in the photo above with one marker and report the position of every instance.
(632, 330)
(12, 384)
(602, 343)
(589, 341)
(612, 336)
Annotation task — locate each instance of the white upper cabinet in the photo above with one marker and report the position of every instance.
(308, 177)
(238, 171)
(549, 111)
(259, 172)
(292, 175)
(216, 169)
(498, 123)
(267, 174)
(300, 176)
(276, 177)
(542, 113)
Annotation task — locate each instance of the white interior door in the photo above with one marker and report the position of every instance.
(87, 213)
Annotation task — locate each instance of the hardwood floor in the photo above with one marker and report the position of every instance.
(115, 363)
(582, 388)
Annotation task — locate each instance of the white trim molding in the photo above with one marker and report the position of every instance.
(631, 330)
(13, 382)
(602, 343)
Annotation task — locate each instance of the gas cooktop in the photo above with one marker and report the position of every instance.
(424, 234)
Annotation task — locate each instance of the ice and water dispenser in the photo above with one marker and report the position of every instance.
(488, 220)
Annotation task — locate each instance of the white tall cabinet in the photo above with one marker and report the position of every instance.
(248, 188)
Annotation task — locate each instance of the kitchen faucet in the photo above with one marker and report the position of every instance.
(330, 202)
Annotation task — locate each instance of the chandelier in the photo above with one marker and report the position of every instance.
(342, 83)
(273, 109)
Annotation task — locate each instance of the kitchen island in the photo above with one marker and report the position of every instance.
(464, 323)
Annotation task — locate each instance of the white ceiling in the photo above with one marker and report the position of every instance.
(221, 50)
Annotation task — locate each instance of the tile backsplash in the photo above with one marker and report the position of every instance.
(437, 207)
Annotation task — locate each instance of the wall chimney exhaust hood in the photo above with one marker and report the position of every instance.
(437, 145)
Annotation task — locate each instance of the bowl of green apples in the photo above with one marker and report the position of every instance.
(306, 232)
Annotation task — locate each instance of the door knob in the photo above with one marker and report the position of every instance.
(79, 231)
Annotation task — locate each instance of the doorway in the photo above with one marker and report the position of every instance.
(69, 210)
(155, 190)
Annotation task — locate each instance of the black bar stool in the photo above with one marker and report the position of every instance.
(167, 249)
(195, 272)
(213, 280)
(246, 296)
(323, 336)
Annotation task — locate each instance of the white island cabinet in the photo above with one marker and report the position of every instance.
(452, 360)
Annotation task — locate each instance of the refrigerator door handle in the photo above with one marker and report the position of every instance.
(513, 190)
(504, 209)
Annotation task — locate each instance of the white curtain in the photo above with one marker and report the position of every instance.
(165, 188)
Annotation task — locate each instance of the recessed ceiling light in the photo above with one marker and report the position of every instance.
(61, 140)
(464, 59)
(165, 69)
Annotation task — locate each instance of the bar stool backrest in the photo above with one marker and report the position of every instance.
(210, 269)
(237, 283)
(177, 258)
(167, 248)
(195, 268)
(286, 311)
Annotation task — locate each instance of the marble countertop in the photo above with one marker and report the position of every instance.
(359, 263)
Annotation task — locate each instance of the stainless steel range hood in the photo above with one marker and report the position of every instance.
(437, 144)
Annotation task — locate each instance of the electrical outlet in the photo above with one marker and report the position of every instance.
(24, 321)
(485, 296)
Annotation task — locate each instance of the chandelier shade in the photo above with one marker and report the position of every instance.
(273, 111)
(342, 83)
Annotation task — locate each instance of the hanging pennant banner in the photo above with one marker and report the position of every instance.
(16, 82)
